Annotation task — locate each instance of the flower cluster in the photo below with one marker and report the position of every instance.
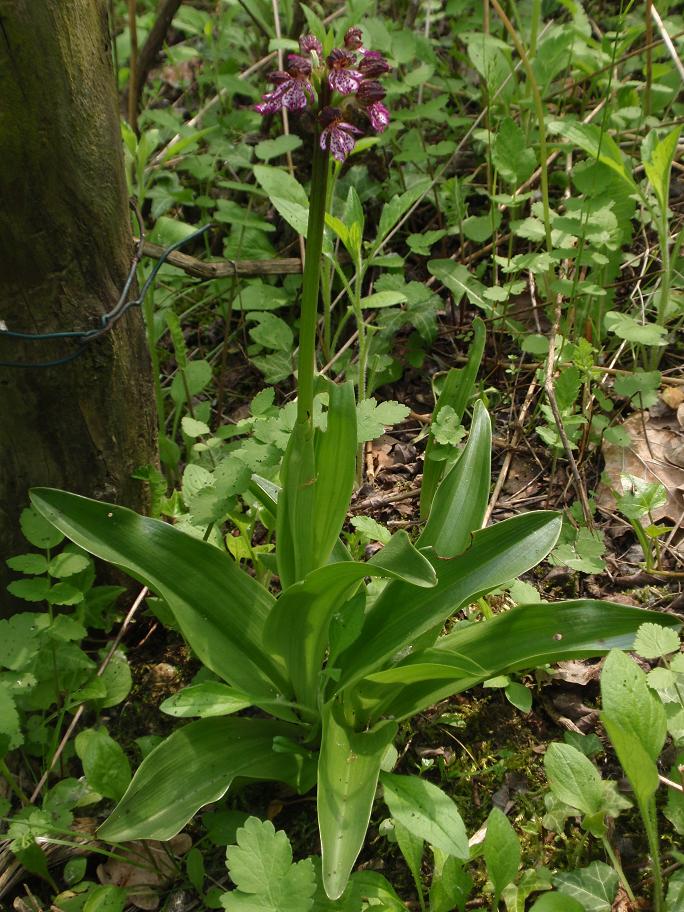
(351, 73)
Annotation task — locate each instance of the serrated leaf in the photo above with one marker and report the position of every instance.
(512, 155)
(10, 726)
(370, 529)
(30, 590)
(38, 531)
(372, 418)
(261, 867)
(626, 327)
(31, 564)
(653, 641)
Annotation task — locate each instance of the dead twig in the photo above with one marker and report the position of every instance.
(153, 45)
(225, 269)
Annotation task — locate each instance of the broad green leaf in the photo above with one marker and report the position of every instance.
(598, 144)
(501, 852)
(461, 499)
(117, 682)
(348, 769)
(220, 610)
(297, 629)
(427, 812)
(193, 767)
(335, 456)
(640, 768)
(261, 867)
(211, 698)
(370, 529)
(411, 847)
(451, 884)
(402, 613)
(295, 544)
(629, 702)
(594, 887)
(456, 392)
(557, 902)
(574, 778)
(657, 159)
(286, 194)
(197, 374)
(104, 763)
(526, 637)
(35, 589)
(19, 639)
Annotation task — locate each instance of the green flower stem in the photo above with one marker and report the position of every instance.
(311, 285)
(615, 861)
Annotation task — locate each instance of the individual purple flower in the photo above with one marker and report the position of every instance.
(372, 65)
(292, 89)
(341, 77)
(370, 96)
(309, 43)
(337, 135)
(353, 38)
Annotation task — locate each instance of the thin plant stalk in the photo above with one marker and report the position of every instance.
(311, 285)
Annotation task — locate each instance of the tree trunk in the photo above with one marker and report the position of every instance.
(65, 251)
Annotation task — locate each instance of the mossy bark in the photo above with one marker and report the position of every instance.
(65, 251)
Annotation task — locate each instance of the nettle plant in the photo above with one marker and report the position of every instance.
(327, 669)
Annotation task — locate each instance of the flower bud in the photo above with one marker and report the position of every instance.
(372, 65)
(353, 38)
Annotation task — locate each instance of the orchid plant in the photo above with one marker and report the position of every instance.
(329, 671)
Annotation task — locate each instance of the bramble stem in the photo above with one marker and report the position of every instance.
(311, 284)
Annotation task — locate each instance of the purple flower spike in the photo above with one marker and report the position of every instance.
(292, 92)
(379, 116)
(372, 65)
(341, 77)
(337, 135)
(309, 43)
(353, 38)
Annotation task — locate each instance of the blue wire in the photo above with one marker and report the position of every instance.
(106, 320)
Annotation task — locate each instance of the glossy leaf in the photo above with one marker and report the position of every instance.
(524, 637)
(348, 768)
(456, 392)
(220, 609)
(295, 545)
(211, 698)
(335, 459)
(461, 499)
(298, 627)
(194, 766)
(401, 613)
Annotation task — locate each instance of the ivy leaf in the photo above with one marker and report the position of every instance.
(266, 879)
(372, 418)
(594, 886)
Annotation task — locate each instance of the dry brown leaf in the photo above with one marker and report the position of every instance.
(577, 672)
(647, 458)
(144, 868)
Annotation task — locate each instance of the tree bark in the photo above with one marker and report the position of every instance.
(65, 251)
